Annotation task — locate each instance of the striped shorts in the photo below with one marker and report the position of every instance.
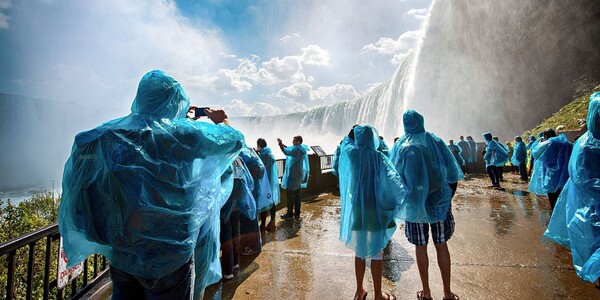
(441, 232)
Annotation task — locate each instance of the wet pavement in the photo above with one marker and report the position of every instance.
(497, 252)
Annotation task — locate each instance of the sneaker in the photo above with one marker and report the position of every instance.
(237, 266)
(228, 276)
(297, 216)
(287, 216)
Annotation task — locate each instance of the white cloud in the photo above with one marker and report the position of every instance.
(288, 68)
(398, 49)
(227, 80)
(418, 13)
(335, 93)
(299, 92)
(4, 4)
(118, 41)
(288, 37)
(296, 107)
(315, 55)
(238, 108)
(303, 92)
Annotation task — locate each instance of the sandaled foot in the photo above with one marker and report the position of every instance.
(364, 296)
(421, 296)
(453, 296)
(388, 296)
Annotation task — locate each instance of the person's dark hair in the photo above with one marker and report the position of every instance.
(351, 133)
(548, 133)
(261, 143)
(299, 137)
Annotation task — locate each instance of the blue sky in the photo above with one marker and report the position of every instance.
(248, 57)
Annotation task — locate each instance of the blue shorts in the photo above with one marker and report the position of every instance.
(441, 232)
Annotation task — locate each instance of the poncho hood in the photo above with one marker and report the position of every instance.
(160, 95)
(413, 122)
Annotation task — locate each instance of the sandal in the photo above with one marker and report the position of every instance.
(363, 298)
(421, 297)
(389, 296)
(453, 296)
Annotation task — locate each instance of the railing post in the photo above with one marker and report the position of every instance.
(30, 264)
(47, 259)
(10, 274)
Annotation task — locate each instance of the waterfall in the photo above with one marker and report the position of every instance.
(500, 66)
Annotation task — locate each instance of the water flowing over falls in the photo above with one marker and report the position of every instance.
(500, 66)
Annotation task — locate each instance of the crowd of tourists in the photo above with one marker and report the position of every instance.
(172, 202)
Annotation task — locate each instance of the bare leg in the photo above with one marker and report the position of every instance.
(359, 270)
(443, 257)
(376, 271)
(423, 265)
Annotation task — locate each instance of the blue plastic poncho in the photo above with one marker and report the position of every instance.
(268, 159)
(495, 153)
(457, 153)
(504, 159)
(371, 192)
(338, 151)
(262, 186)
(465, 150)
(575, 220)
(473, 155)
(519, 152)
(550, 168)
(139, 188)
(532, 140)
(383, 148)
(296, 172)
(427, 167)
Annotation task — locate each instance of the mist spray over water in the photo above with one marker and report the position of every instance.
(500, 66)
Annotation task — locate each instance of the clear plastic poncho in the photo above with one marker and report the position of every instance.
(268, 159)
(371, 193)
(457, 153)
(519, 152)
(465, 150)
(297, 169)
(495, 153)
(575, 221)
(550, 167)
(139, 188)
(427, 167)
(473, 155)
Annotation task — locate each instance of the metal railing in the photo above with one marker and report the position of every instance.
(24, 248)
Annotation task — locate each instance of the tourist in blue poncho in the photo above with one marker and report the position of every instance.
(457, 153)
(250, 239)
(575, 221)
(295, 175)
(465, 153)
(529, 146)
(268, 159)
(550, 170)
(348, 139)
(473, 154)
(501, 163)
(519, 157)
(371, 193)
(145, 189)
(430, 173)
(494, 155)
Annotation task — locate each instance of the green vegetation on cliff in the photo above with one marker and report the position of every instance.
(572, 116)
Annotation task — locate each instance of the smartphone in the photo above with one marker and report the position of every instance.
(199, 112)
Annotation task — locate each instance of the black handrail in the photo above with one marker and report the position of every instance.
(29, 240)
